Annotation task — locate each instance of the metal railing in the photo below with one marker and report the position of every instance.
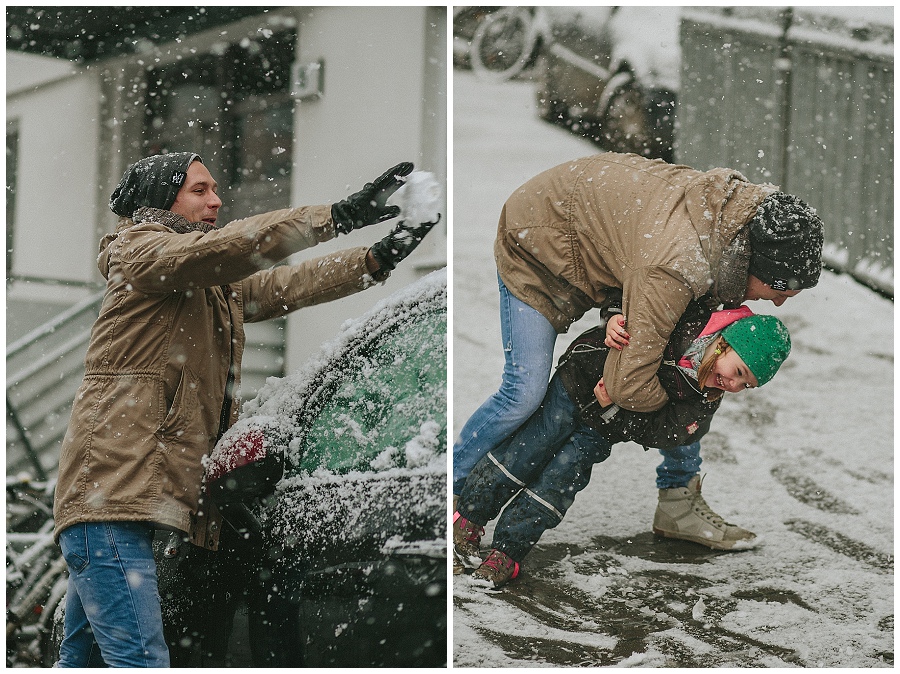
(804, 101)
(44, 369)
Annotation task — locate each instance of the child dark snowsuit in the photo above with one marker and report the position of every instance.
(549, 459)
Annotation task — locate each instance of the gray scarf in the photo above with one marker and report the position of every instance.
(173, 221)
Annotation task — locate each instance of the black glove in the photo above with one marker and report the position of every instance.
(366, 207)
(397, 245)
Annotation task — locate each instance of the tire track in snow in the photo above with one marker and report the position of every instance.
(843, 545)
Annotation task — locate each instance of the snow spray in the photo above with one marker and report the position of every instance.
(419, 198)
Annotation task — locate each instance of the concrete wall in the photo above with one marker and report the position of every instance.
(54, 106)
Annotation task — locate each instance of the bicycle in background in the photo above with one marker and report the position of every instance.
(36, 575)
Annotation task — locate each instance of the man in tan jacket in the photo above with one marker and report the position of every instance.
(162, 373)
(662, 234)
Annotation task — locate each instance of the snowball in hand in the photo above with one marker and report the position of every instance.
(419, 198)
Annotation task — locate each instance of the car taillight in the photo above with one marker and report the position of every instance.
(243, 449)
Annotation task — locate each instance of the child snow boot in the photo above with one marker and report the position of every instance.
(466, 544)
(498, 569)
(683, 513)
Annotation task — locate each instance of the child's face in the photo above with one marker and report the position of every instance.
(731, 374)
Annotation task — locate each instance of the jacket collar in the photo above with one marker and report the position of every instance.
(173, 221)
(730, 284)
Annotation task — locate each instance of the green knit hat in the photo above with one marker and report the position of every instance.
(762, 342)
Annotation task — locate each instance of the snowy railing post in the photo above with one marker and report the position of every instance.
(801, 98)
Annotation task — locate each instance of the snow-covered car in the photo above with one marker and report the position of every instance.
(334, 487)
(611, 74)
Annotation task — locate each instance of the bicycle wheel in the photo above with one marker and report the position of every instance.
(465, 22)
(51, 623)
(502, 45)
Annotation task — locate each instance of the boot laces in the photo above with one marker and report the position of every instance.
(495, 561)
(473, 531)
(702, 508)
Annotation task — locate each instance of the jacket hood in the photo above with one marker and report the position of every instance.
(106, 246)
(727, 248)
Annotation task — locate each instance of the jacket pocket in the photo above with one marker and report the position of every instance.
(184, 404)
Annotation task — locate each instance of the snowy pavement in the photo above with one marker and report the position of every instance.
(806, 463)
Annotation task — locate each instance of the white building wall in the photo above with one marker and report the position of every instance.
(55, 108)
(380, 106)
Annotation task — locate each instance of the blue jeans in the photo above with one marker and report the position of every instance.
(679, 465)
(541, 468)
(112, 603)
(528, 342)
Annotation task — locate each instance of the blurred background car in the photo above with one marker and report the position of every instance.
(611, 74)
(333, 486)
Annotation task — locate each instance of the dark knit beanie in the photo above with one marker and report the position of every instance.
(786, 238)
(152, 181)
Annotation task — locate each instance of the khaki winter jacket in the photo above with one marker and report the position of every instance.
(171, 329)
(664, 234)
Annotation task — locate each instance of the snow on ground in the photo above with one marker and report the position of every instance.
(806, 462)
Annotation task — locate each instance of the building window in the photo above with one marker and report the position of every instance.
(233, 107)
(12, 166)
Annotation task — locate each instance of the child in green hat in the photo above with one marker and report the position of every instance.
(549, 459)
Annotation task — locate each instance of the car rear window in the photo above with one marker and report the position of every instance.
(387, 409)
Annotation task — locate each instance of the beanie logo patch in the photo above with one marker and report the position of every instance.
(779, 284)
(178, 178)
